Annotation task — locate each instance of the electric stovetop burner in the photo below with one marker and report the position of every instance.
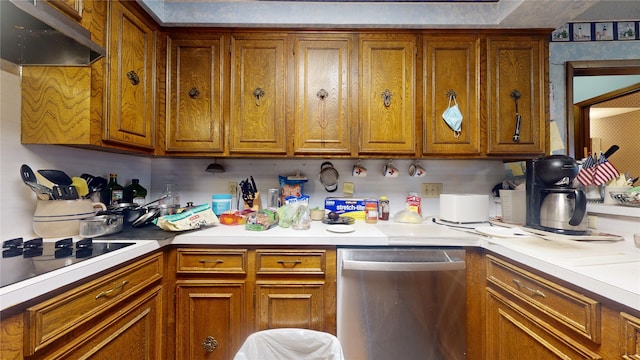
(22, 260)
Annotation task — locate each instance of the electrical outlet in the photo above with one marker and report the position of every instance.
(431, 190)
(233, 188)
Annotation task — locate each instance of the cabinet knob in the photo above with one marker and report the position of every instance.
(133, 78)
(194, 93)
(322, 94)
(386, 97)
(258, 93)
(209, 344)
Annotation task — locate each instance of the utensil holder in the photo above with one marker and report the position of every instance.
(257, 203)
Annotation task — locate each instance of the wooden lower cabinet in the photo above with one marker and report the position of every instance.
(225, 294)
(531, 315)
(118, 315)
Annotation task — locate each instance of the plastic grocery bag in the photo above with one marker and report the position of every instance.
(290, 344)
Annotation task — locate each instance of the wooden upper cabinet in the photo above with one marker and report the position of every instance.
(258, 94)
(131, 87)
(451, 64)
(387, 88)
(517, 65)
(71, 8)
(194, 110)
(323, 94)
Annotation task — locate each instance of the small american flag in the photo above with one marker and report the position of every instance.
(604, 171)
(587, 171)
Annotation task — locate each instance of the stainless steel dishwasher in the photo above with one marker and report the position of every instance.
(401, 303)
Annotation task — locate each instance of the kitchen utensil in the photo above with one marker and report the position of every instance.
(30, 179)
(626, 198)
(101, 225)
(56, 177)
(515, 95)
(147, 217)
(249, 191)
(611, 150)
(64, 192)
(81, 186)
(214, 167)
(329, 176)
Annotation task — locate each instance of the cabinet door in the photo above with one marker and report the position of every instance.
(209, 319)
(517, 65)
(134, 332)
(514, 333)
(258, 94)
(322, 121)
(131, 110)
(451, 65)
(387, 88)
(290, 304)
(71, 8)
(194, 114)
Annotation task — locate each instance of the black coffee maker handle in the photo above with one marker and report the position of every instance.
(580, 208)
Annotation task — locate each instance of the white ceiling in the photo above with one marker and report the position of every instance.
(548, 14)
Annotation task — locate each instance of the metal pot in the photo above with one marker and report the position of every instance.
(101, 225)
(329, 176)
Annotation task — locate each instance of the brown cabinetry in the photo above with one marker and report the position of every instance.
(130, 116)
(194, 116)
(528, 312)
(223, 295)
(118, 315)
(451, 67)
(257, 121)
(71, 8)
(324, 94)
(387, 94)
(517, 67)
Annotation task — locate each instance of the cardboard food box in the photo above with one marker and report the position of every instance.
(351, 207)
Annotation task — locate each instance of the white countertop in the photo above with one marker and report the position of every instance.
(610, 269)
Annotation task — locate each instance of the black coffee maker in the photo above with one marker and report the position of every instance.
(552, 203)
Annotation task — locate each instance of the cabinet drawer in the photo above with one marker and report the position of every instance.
(578, 312)
(50, 320)
(310, 262)
(217, 261)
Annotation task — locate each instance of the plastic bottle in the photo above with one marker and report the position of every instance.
(371, 211)
(135, 193)
(115, 190)
(383, 208)
(170, 195)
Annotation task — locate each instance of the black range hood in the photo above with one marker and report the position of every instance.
(34, 33)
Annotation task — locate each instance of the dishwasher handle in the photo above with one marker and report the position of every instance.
(402, 266)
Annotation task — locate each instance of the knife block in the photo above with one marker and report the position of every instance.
(257, 203)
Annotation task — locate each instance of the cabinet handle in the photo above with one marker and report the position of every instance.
(534, 292)
(386, 97)
(322, 94)
(515, 95)
(108, 292)
(194, 93)
(209, 344)
(217, 261)
(289, 262)
(258, 93)
(133, 78)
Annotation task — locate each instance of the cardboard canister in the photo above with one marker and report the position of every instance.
(513, 204)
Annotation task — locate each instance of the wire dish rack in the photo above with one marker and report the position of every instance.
(626, 198)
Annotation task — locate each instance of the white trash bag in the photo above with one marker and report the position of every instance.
(290, 344)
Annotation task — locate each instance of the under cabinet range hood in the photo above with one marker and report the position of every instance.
(34, 33)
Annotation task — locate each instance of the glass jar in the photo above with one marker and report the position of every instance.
(383, 208)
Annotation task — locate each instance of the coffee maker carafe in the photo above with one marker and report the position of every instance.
(552, 203)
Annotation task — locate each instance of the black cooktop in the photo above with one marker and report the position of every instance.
(22, 260)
